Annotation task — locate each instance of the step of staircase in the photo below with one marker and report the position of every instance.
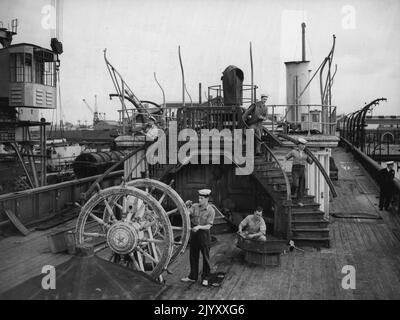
(309, 224)
(282, 192)
(264, 165)
(262, 160)
(307, 206)
(308, 215)
(272, 173)
(309, 227)
(312, 233)
(273, 180)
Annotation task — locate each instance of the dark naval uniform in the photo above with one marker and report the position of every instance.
(254, 117)
(200, 240)
(385, 180)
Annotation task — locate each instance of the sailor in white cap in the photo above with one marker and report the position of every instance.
(385, 180)
(300, 160)
(254, 117)
(202, 218)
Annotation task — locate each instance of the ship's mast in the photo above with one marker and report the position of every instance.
(303, 42)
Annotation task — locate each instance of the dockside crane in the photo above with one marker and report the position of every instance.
(97, 116)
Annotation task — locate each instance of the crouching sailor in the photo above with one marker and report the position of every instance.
(254, 226)
(202, 218)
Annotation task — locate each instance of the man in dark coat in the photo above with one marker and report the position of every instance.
(385, 181)
(254, 117)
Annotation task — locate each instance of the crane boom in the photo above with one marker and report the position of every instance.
(87, 105)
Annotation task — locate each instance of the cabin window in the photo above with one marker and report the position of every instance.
(16, 67)
(49, 74)
(45, 71)
(39, 72)
(315, 118)
(20, 67)
(28, 67)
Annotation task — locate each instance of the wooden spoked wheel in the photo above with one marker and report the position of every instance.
(175, 208)
(127, 226)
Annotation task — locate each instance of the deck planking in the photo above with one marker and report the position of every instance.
(370, 245)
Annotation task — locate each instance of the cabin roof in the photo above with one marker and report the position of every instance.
(296, 62)
(27, 44)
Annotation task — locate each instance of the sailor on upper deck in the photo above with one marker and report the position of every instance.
(254, 117)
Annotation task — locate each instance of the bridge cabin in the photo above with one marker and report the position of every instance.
(27, 85)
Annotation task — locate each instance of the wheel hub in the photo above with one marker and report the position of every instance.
(122, 237)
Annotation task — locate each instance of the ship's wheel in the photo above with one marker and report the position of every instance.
(128, 226)
(175, 209)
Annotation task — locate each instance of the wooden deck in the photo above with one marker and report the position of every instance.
(371, 245)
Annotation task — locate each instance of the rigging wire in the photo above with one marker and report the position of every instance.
(183, 76)
(162, 90)
(191, 102)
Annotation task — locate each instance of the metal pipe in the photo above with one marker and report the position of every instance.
(303, 42)
(183, 76)
(162, 90)
(252, 74)
(43, 152)
(33, 166)
(190, 97)
(21, 159)
(199, 92)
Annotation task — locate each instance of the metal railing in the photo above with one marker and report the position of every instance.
(314, 118)
(217, 91)
(35, 205)
(373, 167)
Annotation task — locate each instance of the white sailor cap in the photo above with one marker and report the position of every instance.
(204, 192)
(264, 95)
(152, 118)
(389, 163)
(302, 141)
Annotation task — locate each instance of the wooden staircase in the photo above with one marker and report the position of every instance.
(308, 226)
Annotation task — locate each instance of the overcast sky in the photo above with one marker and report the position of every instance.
(142, 37)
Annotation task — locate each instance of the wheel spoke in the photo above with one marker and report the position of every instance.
(172, 211)
(110, 211)
(94, 234)
(101, 248)
(97, 219)
(135, 264)
(147, 255)
(176, 228)
(151, 240)
(161, 236)
(153, 246)
(119, 206)
(140, 259)
(148, 224)
(162, 198)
